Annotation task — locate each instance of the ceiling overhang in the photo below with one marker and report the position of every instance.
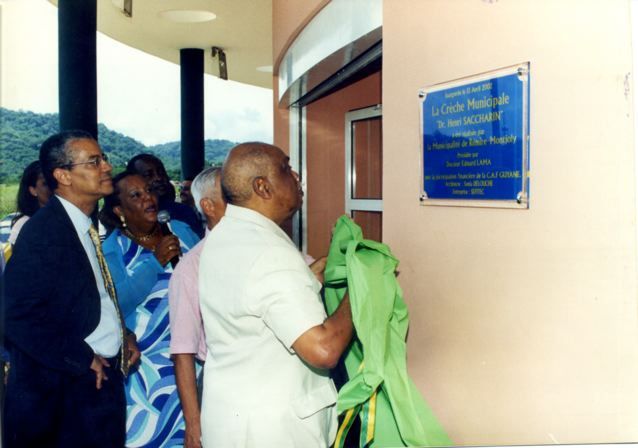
(242, 28)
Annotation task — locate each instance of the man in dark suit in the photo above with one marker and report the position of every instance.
(63, 327)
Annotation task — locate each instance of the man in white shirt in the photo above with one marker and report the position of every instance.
(64, 331)
(269, 342)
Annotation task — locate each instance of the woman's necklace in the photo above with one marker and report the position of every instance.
(141, 238)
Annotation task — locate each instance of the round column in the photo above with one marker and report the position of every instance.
(192, 116)
(77, 24)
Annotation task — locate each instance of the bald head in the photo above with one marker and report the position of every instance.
(246, 162)
(258, 176)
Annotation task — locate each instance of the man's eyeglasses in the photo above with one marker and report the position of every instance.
(93, 161)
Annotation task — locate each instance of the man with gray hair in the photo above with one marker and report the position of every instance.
(188, 345)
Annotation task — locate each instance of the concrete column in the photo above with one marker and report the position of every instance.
(77, 24)
(192, 104)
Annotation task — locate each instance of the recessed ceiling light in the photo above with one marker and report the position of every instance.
(188, 16)
(265, 69)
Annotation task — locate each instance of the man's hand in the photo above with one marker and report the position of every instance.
(193, 435)
(318, 267)
(133, 351)
(97, 366)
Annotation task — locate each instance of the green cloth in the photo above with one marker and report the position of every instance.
(376, 360)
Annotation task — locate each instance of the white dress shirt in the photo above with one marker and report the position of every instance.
(257, 297)
(105, 339)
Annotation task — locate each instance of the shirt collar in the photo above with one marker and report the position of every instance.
(255, 217)
(80, 221)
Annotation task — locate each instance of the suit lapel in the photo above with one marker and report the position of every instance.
(70, 240)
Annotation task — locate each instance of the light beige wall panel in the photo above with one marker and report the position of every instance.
(289, 18)
(523, 322)
(281, 121)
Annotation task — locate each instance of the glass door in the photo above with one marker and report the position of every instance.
(364, 170)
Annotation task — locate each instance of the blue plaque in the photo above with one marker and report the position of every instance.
(475, 140)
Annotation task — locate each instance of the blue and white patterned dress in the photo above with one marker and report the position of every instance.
(153, 416)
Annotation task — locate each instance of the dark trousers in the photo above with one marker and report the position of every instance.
(46, 408)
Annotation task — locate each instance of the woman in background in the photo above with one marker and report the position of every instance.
(33, 193)
(139, 252)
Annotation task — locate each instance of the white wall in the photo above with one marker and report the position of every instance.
(523, 322)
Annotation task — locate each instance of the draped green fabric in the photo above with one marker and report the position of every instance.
(390, 407)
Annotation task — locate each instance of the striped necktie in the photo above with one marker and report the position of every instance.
(110, 288)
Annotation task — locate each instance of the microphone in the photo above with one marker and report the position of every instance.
(164, 217)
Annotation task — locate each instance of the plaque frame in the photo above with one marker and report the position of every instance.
(519, 200)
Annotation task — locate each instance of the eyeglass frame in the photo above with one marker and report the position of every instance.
(96, 162)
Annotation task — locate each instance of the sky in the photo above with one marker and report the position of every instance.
(138, 94)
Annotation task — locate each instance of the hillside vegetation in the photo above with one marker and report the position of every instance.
(22, 132)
